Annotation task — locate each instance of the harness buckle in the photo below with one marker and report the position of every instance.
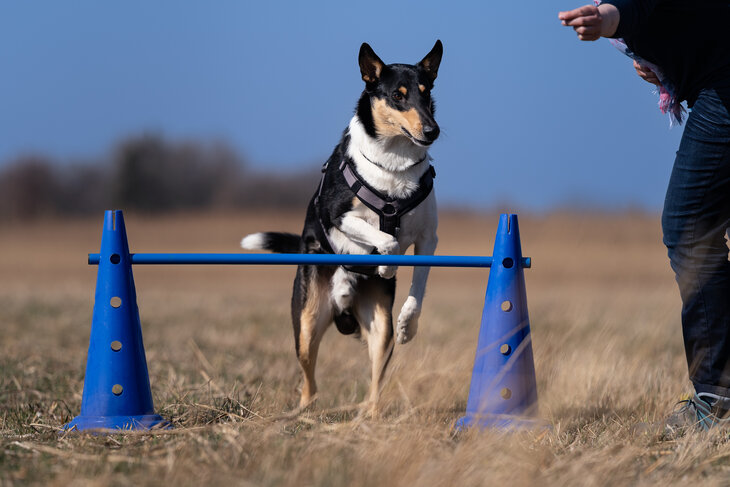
(389, 210)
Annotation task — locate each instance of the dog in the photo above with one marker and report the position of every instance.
(375, 196)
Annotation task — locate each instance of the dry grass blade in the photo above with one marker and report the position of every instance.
(109, 457)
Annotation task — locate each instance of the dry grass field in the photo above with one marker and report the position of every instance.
(604, 314)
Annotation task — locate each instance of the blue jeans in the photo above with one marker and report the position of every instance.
(696, 216)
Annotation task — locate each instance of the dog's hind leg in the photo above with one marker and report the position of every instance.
(374, 310)
(311, 315)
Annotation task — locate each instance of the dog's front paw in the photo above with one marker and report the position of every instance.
(390, 247)
(387, 271)
(407, 321)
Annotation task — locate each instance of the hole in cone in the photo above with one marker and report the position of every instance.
(506, 306)
(505, 393)
(116, 302)
(117, 389)
(508, 263)
(116, 345)
(115, 259)
(505, 349)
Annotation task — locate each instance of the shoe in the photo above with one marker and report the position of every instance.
(697, 413)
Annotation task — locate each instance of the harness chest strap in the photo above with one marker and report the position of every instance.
(390, 210)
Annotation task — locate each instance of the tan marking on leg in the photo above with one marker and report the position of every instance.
(403, 90)
(388, 121)
(374, 309)
(315, 318)
(380, 347)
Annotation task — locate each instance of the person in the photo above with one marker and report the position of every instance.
(687, 40)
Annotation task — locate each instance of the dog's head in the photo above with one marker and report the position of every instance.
(397, 98)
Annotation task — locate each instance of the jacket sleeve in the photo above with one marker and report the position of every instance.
(632, 14)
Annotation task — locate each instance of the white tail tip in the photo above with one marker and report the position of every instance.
(255, 241)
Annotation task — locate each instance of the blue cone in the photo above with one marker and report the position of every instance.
(503, 391)
(116, 386)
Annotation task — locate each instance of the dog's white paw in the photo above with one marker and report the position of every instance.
(391, 246)
(387, 271)
(407, 321)
(342, 289)
(342, 299)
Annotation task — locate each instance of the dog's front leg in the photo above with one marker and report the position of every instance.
(411, 310)
(360, 231)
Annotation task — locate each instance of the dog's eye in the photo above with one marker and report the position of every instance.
(397, 96)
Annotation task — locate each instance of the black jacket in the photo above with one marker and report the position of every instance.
(688, 39)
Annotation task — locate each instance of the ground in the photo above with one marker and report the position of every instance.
(604, 313)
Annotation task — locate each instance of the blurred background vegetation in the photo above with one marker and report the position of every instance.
(150, 174)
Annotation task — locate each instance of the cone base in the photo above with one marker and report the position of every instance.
(140, 422)
(499, 421)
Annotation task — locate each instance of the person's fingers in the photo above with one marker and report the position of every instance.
(646, 73)
(640, 67)
(569, 15)
(585, 20)
(589, 30)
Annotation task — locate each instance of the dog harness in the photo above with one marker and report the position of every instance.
(389, 210)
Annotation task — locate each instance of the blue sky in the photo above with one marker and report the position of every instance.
(531, 118)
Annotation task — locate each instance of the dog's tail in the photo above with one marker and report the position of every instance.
(280, 242)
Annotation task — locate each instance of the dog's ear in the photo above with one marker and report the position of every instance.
(370, 64)
(431, 62)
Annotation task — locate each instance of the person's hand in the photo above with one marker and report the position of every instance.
(586, 21)
(591, 22)
(646, 74)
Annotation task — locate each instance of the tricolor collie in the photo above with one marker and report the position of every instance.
(375, 196)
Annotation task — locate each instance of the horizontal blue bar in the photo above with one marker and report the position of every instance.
(314, 259)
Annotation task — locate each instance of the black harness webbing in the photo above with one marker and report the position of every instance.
(389, 210)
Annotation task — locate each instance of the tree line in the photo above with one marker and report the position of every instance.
(147, 174)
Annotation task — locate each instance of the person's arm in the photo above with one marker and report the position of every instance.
(591, 22)
(633, 13)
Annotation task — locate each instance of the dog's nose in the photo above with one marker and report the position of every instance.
(431, 132)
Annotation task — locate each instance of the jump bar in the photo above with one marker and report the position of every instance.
(312, 259)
